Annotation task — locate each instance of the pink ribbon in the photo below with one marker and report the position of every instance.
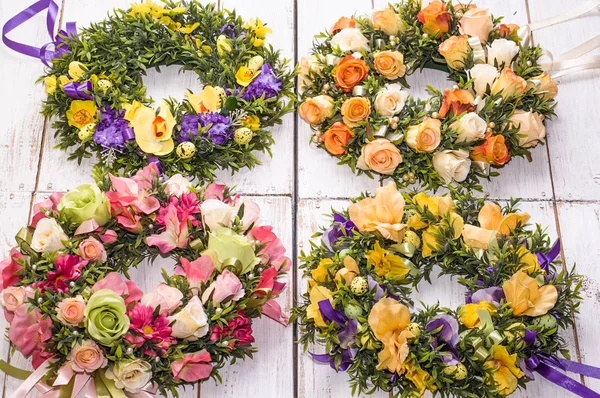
(148, 391)
(86, 227)
(31, 382)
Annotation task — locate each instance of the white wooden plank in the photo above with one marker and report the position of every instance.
(22, 124)
(572, 141)
(275, 175)
(319, 175)
(580, 226)
(271, 372)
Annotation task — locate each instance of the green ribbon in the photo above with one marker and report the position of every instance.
(492, 337)
(234, 264)
(405, 248)
(196, 244)
(67, 391)
(15, 372)
(414, 271)
(111, 388)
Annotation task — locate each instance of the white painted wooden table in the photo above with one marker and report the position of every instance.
(561, 187)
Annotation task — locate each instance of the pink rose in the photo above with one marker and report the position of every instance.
(165, 296)
(192, 367)
(10, 267)
(109, 237)
(114, 281)
(28, 331)
(87, 357)
(197, 271)
(226, 287)
(70, 311)
(92, 250)
(12, 297)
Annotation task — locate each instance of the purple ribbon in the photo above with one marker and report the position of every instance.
(546, 259)
(79, 91)
(346, 336)
(42, 53)
(545, 365)
(347, 357)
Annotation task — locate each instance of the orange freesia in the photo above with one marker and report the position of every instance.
(383, 213)
(350, 72)
(459, 101)
(437, 205)
(349, 272)
(493, 150)
(503, 370)
(343, 23)
(336, 138)
(525, 297)
(389, 320)
(508, 30)
(492, 222)
(435, 19)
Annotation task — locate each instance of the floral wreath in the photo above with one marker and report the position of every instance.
(353, 94)
(88, 329)
(96, 94)
(373, 256)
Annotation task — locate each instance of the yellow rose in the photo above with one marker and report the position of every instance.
(390, 64)
(504, 373)
(379, 155)
(509, 84)
(316, 110)
(545, 86)
(383, 213)
(153, 133)
(455, 50)
(424, 137)
(387, 21)
(477, 22)
(354, 110)
(317, 293)
(525, 297)
(210, 99)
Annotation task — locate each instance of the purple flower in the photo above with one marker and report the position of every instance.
(346, 336)
(228, 29)
(189, 128)
(340, 227)
(113, 130)
(491, 295)
(266, 83)
(449, 329)
(219, 131)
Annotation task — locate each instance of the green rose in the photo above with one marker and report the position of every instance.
(106, 320)
(85, 202)
(226, 244)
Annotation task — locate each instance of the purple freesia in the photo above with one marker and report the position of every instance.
(492, 295)
(340, 227)
(228, 29)
(449, 329)
(112, 130)
(346, 336)
(266, 83)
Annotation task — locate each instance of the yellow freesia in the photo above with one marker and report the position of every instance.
(81, 113)
(504, 374)
(245, 75)
(437, 205)
(50, 84)
(416, 222)
(491, 223)
(419, 377)
(260, 31)
(430, 241)
(62, 80)
(349, 272)
(323, 271)
(210, 99)
(252, 122)
(187, 29)
(528, 261)
(153, 133)
(77, 70)
(316, 294)
(386, 264)
(525, 297)
(469, 316)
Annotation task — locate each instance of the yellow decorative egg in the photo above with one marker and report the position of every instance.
(415, 329)
(359, 286)
(86, 131)
(222, 96)
(413, 238)
(255, 63)
(185, 150)
(459, 372)
(243, 135)
(104, 85)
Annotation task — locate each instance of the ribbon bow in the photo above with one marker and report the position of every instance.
(548, 258)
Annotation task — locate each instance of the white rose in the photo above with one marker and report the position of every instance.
(470, 127)
(531, 127)
(483, 75)
(214, 213)
(350, 39)
(390, 100)
(332, 59)
(191, 322)
(502, 51)
(452, 165)
(177, 185)
(48, 236)
(130, 375)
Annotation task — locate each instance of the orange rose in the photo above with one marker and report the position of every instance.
(354, 110)
(508, 30)
(316, 110)
(477, 22)
(424, 137)
(349, 72)
(455, 50)
(460, 101)
(379, 155)
(390, 64)
(509, 84)
(545, 86)
(343, 23)
(493, 151)
(387, 21)
(435, 19)
(336, 138)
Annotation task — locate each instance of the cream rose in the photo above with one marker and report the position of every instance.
(452, 165)
(87, 357)
(350, 39)
(379, 155)
(387, 21)
(424, 137)
(216, 214)
(317, 109)
(470, 127)
(477, 22)
(166, 297)
(545, 86)
(130, 375)
(391, 100)
(14, 296)
(177, 185)
(191, 322)
(71, 311)
(501, 52)
(483, 75)
(531, 127)
(48, 236)
(307, 64)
